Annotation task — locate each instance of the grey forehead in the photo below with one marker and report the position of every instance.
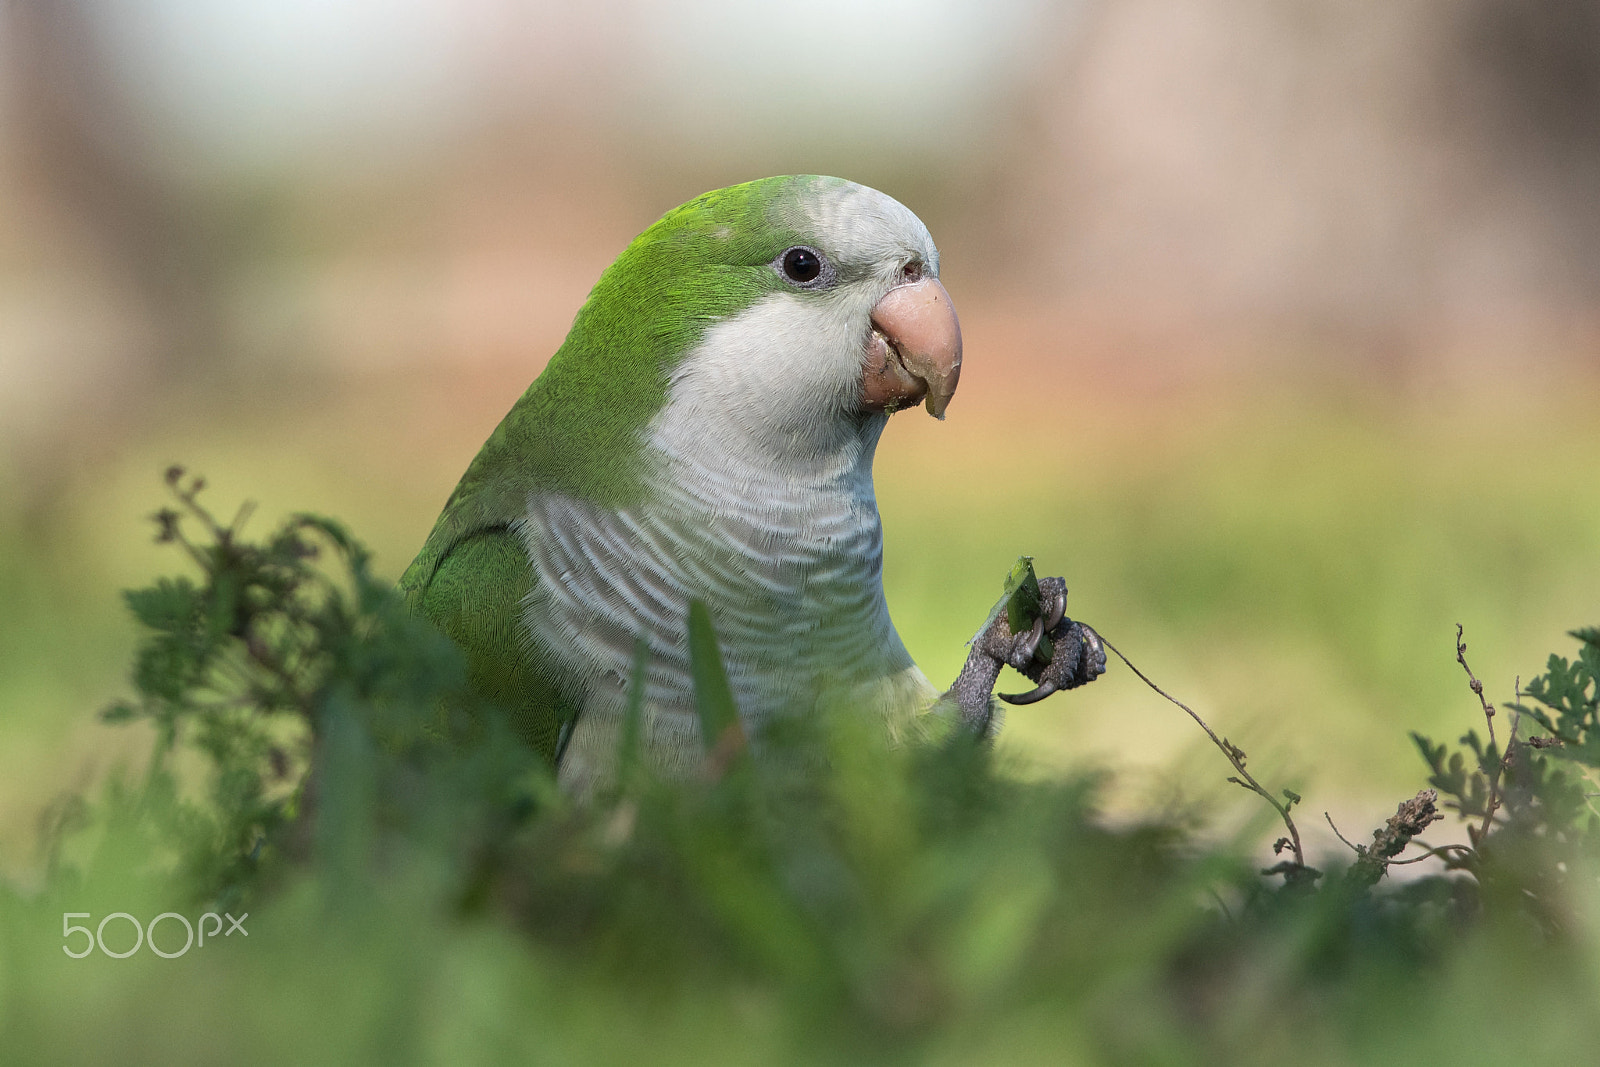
(865, 225)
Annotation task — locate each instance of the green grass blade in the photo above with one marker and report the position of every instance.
(713, 697)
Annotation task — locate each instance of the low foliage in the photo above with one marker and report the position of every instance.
(423, 892)
(1527, 799)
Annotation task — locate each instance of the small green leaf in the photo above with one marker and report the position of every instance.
(1022, 595)
(1014, 599)
(121, 711)
(171, 605)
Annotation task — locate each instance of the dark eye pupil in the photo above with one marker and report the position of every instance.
(801, 264)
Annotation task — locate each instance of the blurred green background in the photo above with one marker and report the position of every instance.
(1281, 324)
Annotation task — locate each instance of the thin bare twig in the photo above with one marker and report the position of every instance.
(1357, 849)
(1516, 713)
(1493, 803)
(1235, 756)
(1430, 853)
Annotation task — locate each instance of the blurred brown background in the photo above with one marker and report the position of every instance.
(1290, 307)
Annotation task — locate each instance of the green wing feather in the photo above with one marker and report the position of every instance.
(474, 591)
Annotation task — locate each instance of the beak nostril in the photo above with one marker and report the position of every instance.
(912, 271)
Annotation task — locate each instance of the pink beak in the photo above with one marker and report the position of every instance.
(914, 350)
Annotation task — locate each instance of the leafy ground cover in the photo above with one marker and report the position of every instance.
(414, 889)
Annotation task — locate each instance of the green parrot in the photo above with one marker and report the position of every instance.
(706, 432)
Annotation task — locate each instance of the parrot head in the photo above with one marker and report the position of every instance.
(822, 266)
(776, 317)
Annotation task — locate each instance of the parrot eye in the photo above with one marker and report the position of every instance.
(801, 265)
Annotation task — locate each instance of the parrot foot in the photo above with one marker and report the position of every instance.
(1055, 653)
(1079, 659)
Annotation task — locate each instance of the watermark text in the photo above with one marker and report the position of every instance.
(194, 934)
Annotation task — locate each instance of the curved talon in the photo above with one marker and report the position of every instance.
(1030, 644)
(1098, 653)
(1058, 609)
(1043, 690)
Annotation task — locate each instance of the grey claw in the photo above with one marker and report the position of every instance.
(1058, 609)
(1030, 644)
(1044, 689)
(1097, 652)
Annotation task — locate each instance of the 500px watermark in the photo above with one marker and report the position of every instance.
(146, 935)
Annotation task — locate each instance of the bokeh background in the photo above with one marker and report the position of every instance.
(1282, 324)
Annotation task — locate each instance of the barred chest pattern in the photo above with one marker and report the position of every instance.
(791, 569)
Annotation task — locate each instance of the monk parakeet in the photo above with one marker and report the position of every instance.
(706, 432)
